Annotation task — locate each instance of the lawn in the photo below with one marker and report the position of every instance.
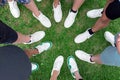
(63, 40)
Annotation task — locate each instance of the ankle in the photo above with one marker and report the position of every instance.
(37, 14)
(26, 39)
(91, 59)
(53, 78)
(54, 75)
(90, 31)
(55, 4)
(77, 75)
(10, 1)
(72, 10)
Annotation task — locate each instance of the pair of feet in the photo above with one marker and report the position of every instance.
(41, 48)
(70, 62)
(86, 35)
(58, 16)
(16, 13)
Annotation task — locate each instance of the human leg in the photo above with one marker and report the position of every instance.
(96, 59)
(77, 4)
(110, 56)
(22, 38)
(7, 34)
(78, 76)
(57, 67)
(109, 13)
(72, 13)
(101, 23)
(32, 7)
(38, 14)
(54, 75)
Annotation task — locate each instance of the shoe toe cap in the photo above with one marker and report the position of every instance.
(90, 14)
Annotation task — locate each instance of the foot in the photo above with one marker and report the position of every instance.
(35, 37)
(44, 47)
(58, 64)
(70, 19)
(95, 13)
(35, 66)
(83, 56)
(14, 9)
(43, 19)
(72, 65)
(57, 12)
(82, 37)
(109, 37)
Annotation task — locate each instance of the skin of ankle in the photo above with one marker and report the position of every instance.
(92, 59)
(93, 30)
(37, 14)
(27, 38)
(9, 0)
(55, 75)
(77, 75)
(74, 9)
(56, 3)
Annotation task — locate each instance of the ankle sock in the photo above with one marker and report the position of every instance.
(73, 11)
(91, 59)
(115, 44)
(90, 31)
(80, 79)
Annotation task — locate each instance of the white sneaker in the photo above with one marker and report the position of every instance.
(72, 65)
(35, 66)
(95, 13)
(109, 37)
(14, 9)
(82, 37)
(57, 12)
(83, 56)
(58, 64)
(37, 36)
(70, 19)
(44, 47)
(38, 0)
(44, 20)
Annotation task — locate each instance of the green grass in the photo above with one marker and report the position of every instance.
(63, 40)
